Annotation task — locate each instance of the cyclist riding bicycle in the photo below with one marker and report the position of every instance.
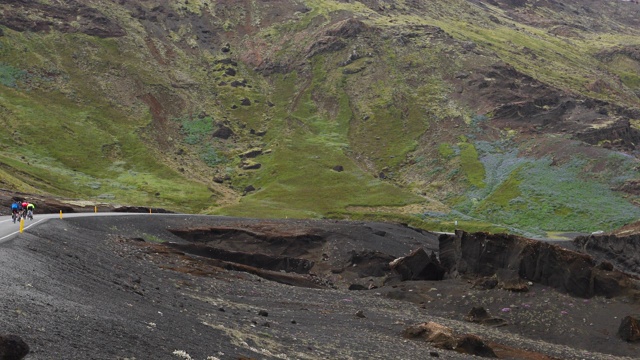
(30, 208)
(24, 208)
(15, 211)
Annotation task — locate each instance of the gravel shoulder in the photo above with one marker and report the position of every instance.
(105, 288)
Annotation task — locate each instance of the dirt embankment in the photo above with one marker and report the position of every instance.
(166, 285)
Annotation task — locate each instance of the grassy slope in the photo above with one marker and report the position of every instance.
(297, 179)
(551, 197)
(59, 126)
(367, 116)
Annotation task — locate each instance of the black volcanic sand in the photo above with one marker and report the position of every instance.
(106, 288)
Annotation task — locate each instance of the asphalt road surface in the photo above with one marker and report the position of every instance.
(8, 229)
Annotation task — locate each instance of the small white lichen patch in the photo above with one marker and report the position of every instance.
(182, 354)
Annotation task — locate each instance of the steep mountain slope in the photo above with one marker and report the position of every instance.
(522, 114)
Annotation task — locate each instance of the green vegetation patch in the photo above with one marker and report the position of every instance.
(10, 76)
(62, 151)
(297, 179)
(535, 196)
(470, 165)
(195, 130)
(446, 151)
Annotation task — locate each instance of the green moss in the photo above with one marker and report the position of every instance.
(446, 151)
(196, 130)
(503, 195)
(9, 76)
(471, 166)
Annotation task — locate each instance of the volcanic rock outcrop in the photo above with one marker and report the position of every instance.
(482, 254)
(622, 251)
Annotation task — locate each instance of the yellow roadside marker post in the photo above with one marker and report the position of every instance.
(149, 210)
(60, 214)
(95, 209)
(21, 225)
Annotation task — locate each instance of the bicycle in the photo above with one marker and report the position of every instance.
(15, 216)
(30, 214)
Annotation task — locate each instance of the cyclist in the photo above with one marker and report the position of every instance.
(24, 209)
(15, 210)
(30, 208)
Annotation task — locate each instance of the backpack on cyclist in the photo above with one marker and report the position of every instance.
(15, 206)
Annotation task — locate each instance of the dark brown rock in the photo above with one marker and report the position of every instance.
(235, 259)
(12, 347)
(66, 17)
(622, 135)
(418, 266)
(480, 315)
(347, 28)
(241, 83)
(251, 153)
(223, 132)
(510, 280)
(473, 345)
(486, 283)
(325, 44)
(629, 329)
(444, 338)
(368, 263)
(251, 166)
(477, 314)
(622, 252)
(357, 287)
(483, 254)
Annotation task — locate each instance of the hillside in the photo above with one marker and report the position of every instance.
(514, 115)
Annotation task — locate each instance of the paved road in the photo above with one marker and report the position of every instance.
(8, 229)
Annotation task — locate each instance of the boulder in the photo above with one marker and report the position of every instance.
(480, 315)
(223, 132)
(12, 347)
(629, 329)
(418, 266)
(251, 153)
(438, 335)
(510, 280)
(473, 345)
(443, 337)
(250, 165)
(486, 283)
(477, 314)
